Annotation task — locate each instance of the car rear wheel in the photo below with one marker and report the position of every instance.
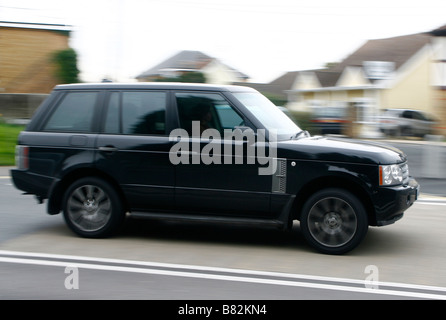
(92, 208)
(334, 221)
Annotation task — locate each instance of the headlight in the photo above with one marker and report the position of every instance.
(390, 175)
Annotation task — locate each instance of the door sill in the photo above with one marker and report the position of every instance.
(206, 218)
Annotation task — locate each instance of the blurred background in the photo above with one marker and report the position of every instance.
(374, 70)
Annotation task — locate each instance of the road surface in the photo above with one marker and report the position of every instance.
(41, 259)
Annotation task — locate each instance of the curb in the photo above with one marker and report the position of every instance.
(431, 198)
(420, 142)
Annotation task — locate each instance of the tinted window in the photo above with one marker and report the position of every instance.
(407, 114)
(229, 119)
(74, 113)
(419, 116)
(210, 109)
(136, 112)
(268, 114)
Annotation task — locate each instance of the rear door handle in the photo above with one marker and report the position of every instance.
(108, 149)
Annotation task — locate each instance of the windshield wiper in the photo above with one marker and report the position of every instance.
(298, 134)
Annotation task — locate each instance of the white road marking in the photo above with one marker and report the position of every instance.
(6, 178)
(225, 274)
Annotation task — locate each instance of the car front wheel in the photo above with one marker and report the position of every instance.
(92, 208)
(334, 221)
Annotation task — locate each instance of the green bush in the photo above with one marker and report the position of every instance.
(303, 119)
(190, 77)
(66, 61)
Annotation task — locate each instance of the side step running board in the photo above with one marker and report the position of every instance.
(210, 219)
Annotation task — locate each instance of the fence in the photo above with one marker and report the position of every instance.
(18, 106)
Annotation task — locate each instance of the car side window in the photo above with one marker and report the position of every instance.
(74, 113)
(229, 118)
(419, 116)
(211, 110)
(407, 114)
(136, 112)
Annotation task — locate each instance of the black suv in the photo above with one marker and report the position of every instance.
(101, 152)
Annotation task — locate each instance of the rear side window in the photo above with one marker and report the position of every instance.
(74, 113)
(136, 112)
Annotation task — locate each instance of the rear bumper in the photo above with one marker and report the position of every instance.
(31, 183)
(392, 202)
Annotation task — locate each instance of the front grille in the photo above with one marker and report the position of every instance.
(405, 169)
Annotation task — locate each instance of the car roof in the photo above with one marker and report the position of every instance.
(154, 85)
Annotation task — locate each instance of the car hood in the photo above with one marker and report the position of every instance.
(340, 150)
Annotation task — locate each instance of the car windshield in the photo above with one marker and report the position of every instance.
(391, 113)
(268, 114)
(330, 112)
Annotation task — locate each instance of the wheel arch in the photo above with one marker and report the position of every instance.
(58, 190)
(325, 182)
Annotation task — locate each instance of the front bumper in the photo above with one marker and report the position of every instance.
(392, 202)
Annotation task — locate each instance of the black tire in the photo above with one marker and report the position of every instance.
(92, 208)
(333, 221)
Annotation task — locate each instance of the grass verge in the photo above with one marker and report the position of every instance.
(8, 141)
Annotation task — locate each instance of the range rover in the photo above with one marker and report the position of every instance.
(99, 153)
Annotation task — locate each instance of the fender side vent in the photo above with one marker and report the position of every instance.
(279, 177)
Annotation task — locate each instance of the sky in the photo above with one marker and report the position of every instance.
(264, 39)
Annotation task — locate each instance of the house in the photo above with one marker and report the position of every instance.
(187, 61)
(439, 72)
(26, 53)
(397, 72)
(275, 90)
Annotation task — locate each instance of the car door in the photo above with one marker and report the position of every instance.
(408, 125)
(217, 173)
(422, 123)
(133, 147)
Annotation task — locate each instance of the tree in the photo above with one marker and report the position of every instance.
(196, 77)
(66, 63)
(330, 65)
(275, 98)
(193, 77)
